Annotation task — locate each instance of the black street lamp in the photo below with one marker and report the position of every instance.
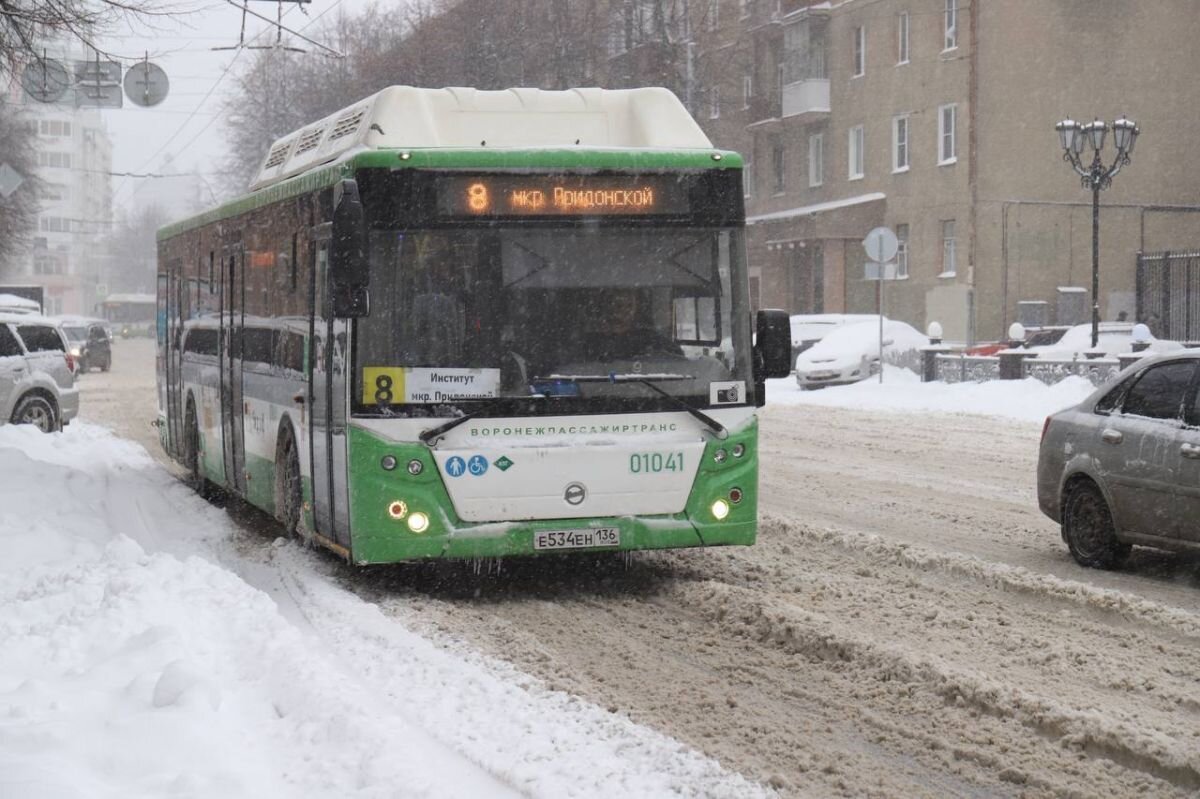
(1075, 138)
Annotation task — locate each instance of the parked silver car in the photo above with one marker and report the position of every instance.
(1123, 466)
(37, 381)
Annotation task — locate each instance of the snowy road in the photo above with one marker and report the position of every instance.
(908, 625)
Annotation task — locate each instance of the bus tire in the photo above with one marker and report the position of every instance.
(191, 455)
(289, 489)
(38, 411)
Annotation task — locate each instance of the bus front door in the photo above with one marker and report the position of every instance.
(233, 314)
(327, 388)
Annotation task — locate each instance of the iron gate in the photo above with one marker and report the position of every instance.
(1168, 294)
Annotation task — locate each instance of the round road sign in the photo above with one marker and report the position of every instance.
(146, 84)
(45, 80)
(881, 245)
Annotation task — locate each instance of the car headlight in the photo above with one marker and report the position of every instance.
(75, 351)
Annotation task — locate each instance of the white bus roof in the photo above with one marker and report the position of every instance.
(408, 117)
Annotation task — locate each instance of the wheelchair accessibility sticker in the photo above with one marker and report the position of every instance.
(476, 465)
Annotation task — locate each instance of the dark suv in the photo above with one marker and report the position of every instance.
(90, 345)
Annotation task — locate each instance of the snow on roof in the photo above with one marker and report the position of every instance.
(807, 210)
(13, 303)
(406, 116)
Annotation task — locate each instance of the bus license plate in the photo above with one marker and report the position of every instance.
(577, 539)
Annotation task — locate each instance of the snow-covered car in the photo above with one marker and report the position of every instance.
(37, 375)
(851, 353)
(808, 329)
(1121, 467)
(1116, 338)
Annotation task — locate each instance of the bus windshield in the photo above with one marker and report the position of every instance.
(581, 313)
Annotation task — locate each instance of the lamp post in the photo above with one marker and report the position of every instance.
(1075, 138)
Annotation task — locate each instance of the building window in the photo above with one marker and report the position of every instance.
(747, 90)
(54, 159)
(902, 38)
(54, 127)
(747, 6)
(901, 251)
(713, 18)
(816, 159)
(951, 24)
(855, 152)
(900, 143)
(54, 224)
(748, 177)
(714, 103)
(949, 250)
(860, 51)
(779, 164)
(947, 145)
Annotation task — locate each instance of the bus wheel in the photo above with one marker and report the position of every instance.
(289, 494)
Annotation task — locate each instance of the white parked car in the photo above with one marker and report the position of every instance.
(851, 353)
(808, 329)
(1116, 338)
(37, 380)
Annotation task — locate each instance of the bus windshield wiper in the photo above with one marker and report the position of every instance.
(649, 380)
(429, 437)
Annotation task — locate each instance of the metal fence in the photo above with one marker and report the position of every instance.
(1168, 294)
(949, 367)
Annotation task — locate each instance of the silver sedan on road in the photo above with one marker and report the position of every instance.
(1123, 466)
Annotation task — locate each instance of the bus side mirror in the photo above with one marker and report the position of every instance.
(772, 345)
(348, 269)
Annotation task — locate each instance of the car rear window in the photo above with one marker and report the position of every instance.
(201, 342)
(75, 333)
(9, 345)
(1159, 392)
(40, 338)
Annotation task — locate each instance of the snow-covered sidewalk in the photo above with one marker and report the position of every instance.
(139, 657)
(1027, 400)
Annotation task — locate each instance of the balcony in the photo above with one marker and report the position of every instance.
(808, 99)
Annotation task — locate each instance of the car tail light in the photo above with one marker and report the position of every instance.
(70, 361)
(1045, 427)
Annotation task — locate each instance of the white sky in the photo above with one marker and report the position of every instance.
(143, 138)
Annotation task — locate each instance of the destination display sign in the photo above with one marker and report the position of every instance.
(562, 195)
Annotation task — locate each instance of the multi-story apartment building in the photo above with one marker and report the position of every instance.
(74, 162)
(936, 119)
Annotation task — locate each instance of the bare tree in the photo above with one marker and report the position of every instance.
(134, 238)
(19, 206)
(25, 24)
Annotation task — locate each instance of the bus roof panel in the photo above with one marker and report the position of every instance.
(401, 117)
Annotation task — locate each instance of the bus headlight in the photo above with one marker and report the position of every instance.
(720, 509)
(418, 522)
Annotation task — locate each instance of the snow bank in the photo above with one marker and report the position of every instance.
(902, 391)
(134, 664)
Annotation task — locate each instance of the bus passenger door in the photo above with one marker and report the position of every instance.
(174, 320)
(232, 407)
(320, 367)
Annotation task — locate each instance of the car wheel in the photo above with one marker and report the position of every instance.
(289, 492)
(1088, 528)
(104, 367)
(38, 411)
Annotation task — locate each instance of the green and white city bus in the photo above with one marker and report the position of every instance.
(466, 324)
